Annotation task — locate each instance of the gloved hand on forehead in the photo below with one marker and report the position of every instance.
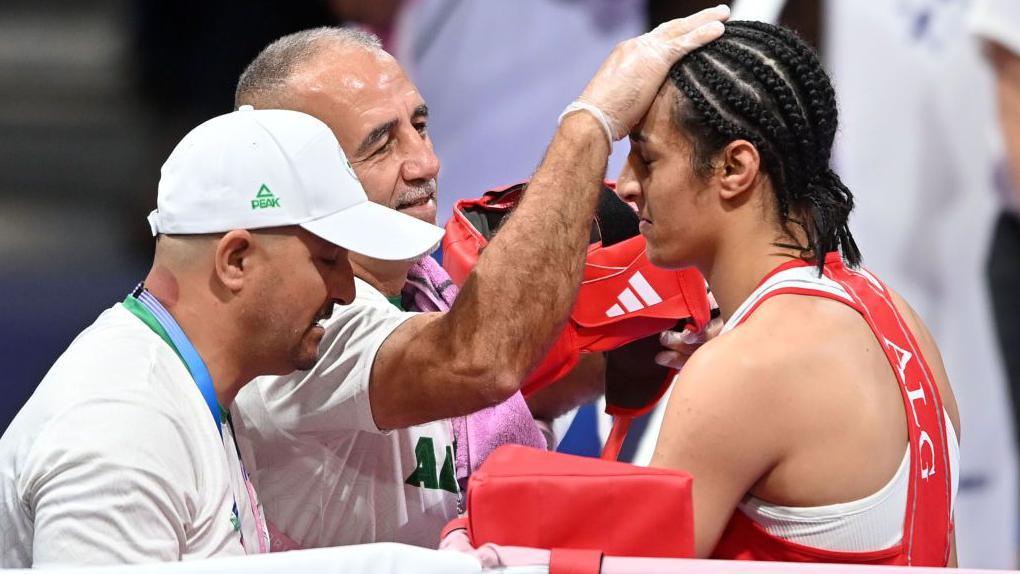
(626, 84)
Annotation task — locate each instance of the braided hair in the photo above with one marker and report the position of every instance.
(763, 84)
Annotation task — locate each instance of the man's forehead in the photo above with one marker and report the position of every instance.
(353, 70)
(354, 90)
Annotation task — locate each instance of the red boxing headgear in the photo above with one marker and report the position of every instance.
(623, 297)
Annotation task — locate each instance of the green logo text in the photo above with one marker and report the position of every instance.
(427, 473)
(265, 199)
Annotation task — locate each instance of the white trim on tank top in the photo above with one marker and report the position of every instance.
(874, 522)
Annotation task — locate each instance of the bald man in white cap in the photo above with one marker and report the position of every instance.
(126, 451)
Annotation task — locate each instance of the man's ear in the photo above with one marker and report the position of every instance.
(233, 253)
(739, 169)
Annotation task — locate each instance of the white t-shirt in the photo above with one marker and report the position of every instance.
(115, 459)
(326, 474)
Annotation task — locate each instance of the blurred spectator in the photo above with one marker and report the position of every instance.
(997, 24)
(917, 109)
(804, 16)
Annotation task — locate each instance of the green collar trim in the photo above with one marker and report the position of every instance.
(139, 310)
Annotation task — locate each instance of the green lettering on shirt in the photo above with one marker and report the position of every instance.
(424, 474)
(447, 476)
(427, 474)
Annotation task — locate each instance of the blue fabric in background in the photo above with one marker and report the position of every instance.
(582, 437)
(41, 312)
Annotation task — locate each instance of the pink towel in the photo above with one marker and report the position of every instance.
(430, 289)
(482, 432)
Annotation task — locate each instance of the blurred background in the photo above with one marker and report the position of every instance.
(95, 93)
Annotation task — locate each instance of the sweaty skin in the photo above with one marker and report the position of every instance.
(798, 405)
(268, 289)
(440, 365)
(381, 122)
(482, 366)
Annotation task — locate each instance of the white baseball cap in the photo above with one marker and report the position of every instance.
(253, 169)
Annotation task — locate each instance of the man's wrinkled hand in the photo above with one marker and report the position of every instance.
(626, 84)
(680, 345)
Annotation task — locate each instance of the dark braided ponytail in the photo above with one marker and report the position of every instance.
(763, 84)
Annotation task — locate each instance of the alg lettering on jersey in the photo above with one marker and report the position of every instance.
(427, 474)
(925, 444)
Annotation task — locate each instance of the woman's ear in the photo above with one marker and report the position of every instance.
(739, 169)
(233, 254)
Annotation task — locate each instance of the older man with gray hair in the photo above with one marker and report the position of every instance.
(362, 448)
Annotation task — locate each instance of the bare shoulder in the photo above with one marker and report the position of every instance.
(720, 426)
(788, 333)
(759, 357)
(802, 360)
(719, 422)
(797, 325)
(728, 386)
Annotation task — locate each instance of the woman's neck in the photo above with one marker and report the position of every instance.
(738, 268)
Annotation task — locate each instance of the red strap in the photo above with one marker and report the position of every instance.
(459, 523)
(928, 518)
(621, 424)
(571, 561)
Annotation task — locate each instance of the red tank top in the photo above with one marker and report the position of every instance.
(927, 521)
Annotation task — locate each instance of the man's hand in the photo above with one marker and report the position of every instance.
(680, 345)
(583, 384)
(519, 295)
(626, 83)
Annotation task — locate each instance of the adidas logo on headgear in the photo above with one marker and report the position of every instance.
(629, 302)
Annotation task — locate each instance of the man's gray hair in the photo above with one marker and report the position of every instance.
(263, 82)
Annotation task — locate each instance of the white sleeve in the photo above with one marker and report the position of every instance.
(996, 20)
(334, 394)
(108, 482)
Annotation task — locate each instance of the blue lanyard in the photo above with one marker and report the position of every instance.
(192, 360)
(199, 373)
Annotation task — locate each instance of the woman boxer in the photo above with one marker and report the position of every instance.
(820, 424)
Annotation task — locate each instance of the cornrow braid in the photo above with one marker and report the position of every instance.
(763, 84)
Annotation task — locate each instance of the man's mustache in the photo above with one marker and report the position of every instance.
(417, 193)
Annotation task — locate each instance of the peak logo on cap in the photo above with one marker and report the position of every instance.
(261, 169)
(265, 199)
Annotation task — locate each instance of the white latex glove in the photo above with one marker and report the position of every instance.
(680, 345)
(623, 88)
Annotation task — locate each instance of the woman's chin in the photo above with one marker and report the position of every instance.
(666, 260)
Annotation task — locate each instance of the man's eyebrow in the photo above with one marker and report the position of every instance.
(421, 111)
(374, 136)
